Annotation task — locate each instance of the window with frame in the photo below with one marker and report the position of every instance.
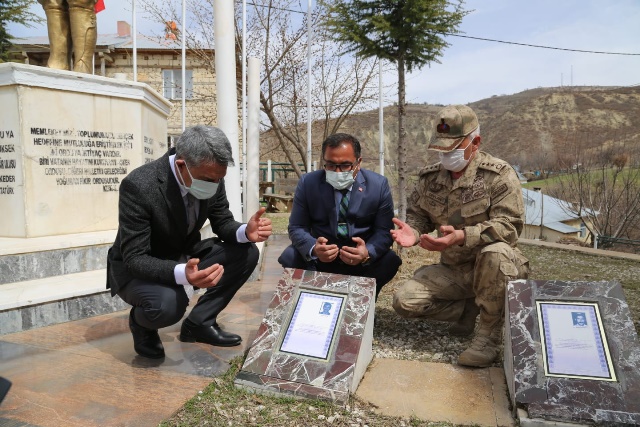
(172, 84)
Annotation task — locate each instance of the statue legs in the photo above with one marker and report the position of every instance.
(71, 21)
(84, 33)
(59, 37)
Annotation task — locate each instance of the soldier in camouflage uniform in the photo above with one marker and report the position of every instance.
(475, 202)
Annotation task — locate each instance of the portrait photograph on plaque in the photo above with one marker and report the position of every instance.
(312, 326)
(574, 343)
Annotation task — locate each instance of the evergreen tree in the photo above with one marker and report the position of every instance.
(409, 33)
(16, 11)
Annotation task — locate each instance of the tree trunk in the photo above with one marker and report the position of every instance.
(402, 155)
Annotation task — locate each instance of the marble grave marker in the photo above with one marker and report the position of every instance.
(316, 337)
(552, 322)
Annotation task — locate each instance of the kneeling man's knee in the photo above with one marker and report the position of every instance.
(408, 301)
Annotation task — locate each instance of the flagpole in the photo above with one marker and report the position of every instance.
(380, 117)
(184, 63)
(135, 40)
(244, 107)
(309, 112)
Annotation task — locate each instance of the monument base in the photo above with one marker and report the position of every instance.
(66, 142)
(284, 358)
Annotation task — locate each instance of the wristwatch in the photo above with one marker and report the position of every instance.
(366, 260)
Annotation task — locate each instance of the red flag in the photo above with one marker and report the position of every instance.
(99, 7)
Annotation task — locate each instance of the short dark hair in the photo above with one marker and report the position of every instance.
(338, 138)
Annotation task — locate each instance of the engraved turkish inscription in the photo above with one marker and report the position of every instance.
(82, 157)
(8, 162)
(148, 149)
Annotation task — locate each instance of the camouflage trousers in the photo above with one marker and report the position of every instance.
(440, 291)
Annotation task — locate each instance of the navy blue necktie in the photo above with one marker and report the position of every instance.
(343, 230)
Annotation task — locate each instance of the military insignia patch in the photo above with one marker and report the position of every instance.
(475, 192)
(499, 192)
(470, 195)
(414, 198)
(436, 198)
(435, 187)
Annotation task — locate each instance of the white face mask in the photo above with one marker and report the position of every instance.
(454, 161)
(340, 180)
(200, 189)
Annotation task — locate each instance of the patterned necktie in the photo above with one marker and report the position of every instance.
(192, 215)
(343, 230)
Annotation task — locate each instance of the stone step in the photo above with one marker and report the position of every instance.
(39, 257)
(55, 279)
(41, 302)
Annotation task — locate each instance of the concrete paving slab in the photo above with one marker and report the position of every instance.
(437, 392)
(86, 373)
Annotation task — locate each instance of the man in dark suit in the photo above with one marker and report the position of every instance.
(341, 217)
(158, 255)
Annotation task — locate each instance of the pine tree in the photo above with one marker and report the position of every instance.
(16, 11)
(409, 33)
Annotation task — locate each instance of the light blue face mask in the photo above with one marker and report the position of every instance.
(340, 180)
(200, 189)
(454, 161)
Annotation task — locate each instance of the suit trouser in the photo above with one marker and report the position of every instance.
(158, 305)
(383, 269)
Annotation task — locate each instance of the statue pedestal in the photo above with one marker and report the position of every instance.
(66, 142)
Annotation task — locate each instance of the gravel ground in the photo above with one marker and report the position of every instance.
(221, 404)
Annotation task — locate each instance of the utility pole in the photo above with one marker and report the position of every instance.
(539, 190)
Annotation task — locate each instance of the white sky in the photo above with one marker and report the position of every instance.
(472, 69)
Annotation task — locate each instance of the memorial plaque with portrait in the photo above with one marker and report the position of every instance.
(312, 326)
(574, 343)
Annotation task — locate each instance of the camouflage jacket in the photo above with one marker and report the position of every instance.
(486, 201)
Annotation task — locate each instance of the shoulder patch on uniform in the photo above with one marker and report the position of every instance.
(494, 164)
(498, 192)
(430, 169)
(415, 196)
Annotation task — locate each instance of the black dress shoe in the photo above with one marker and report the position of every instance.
(146, 342)
(209, 335)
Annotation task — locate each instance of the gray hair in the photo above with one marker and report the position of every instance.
(201, 144)
(475, 133)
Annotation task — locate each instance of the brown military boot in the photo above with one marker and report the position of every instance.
(84, 33)
(485, 346)
(467, 322)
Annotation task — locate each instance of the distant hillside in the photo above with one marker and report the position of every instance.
(550, 121)
(531, 128)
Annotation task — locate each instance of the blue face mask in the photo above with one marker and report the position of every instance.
(340, 180)
(200, 189)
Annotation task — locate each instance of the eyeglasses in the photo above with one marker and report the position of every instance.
(342, 167)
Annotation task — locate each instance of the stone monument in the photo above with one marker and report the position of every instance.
(66, 142)
(571, 354)
(316, 337)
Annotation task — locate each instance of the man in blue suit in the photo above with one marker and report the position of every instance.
(341, 217)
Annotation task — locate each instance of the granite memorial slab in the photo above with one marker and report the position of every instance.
(66, 141)
(571, 353)
(315, 340)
